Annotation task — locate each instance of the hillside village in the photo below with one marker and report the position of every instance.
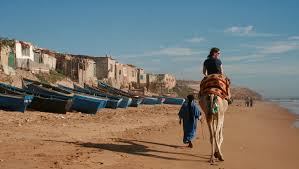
(21, 55)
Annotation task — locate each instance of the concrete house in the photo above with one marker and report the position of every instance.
(141, 78)
(20, 54)
(131, 72)
(106, 68)
(79, 68)
(7, 56)
(45, 57)
(167, 80)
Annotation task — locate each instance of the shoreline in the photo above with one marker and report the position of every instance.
(295, 123)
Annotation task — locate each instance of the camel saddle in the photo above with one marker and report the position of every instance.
(217, 84)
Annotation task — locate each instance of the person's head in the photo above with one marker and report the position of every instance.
(214, 53)
(190, 98)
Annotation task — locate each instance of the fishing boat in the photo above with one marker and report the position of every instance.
(85, 102)
(122, 102)
(46, 89)
(173, 100)
(150, 100)
(39, 102)
(88, 104)
(12, 102)
(136, 101)
(81, 102)
(161, 100)
(112, 103)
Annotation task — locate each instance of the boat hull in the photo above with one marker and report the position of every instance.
(175, 101)
(40, 102)
(88, 104)
(150, 100)
(136, 102)
(14, 102)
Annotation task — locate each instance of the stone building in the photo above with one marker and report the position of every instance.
(79, 68)
(141, 78)
(20, 54)
(168, 81)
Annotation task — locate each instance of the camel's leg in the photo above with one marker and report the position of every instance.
(218, 138)
(210, 126)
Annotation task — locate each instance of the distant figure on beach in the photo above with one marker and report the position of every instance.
(246, 101)
(251, 101)
(189, 113)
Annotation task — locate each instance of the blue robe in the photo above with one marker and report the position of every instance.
(189, 120)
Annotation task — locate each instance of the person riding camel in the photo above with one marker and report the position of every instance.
(213, 65)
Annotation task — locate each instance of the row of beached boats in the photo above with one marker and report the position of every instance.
(61, 99)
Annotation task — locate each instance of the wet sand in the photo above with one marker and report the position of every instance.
(146, 137)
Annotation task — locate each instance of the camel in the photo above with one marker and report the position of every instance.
(215, 122)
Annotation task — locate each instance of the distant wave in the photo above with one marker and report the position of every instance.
(290, 104)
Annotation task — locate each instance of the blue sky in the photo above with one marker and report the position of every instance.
(259, 40)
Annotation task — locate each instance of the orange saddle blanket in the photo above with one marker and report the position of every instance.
(217, 84)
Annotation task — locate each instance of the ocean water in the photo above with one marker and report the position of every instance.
(292, 105)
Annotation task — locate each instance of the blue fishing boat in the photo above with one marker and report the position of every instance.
(15, 102)
(161, 100)
(173, 100)
(150, 100)
(39, 102)
(109, 89)
(112, 102)
(122, 102)
(88, 104)
(49, 91)
(109, 103)
(126, 101)
(81, 102)
(136, 101)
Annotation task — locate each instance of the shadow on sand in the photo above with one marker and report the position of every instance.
(135, 147)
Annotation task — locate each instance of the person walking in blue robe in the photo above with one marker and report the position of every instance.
(190, 114)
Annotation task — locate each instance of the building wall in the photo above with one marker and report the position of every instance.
(32, 66)
(120, 74)
(141, 77)
(101, 67)
(50, 61)
(4, 54)
(111, 68)
(90, 71)
(19, 54)
(168, 80)
(131, 74)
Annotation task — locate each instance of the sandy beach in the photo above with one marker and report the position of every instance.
(146, 137)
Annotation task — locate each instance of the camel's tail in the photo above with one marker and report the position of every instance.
(213, 112)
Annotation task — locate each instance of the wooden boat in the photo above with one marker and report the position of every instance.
(39, 88)
(150, 100)
(88, 104)
(112, 103)
(12, 102)
(85, 102)
(136, 102)
(114, 90)
(173, 100)
(82, 103)
(39, 102)
(121, 102)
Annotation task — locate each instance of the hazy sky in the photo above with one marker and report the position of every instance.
(259, 40)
